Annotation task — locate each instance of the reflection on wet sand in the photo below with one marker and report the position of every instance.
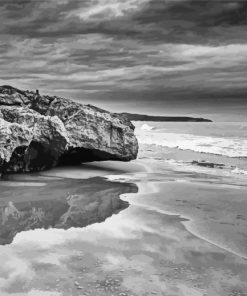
(147, 249)
(139, 252)
(59, 204)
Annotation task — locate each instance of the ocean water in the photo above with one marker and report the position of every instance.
(200, 170)
(211, 145)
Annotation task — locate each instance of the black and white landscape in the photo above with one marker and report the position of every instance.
(123, 148)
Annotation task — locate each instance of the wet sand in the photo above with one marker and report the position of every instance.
(59, 203)
(168, 234)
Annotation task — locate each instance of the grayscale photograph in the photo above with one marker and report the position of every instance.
(123, 147)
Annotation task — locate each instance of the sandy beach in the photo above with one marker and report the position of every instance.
(134, 229)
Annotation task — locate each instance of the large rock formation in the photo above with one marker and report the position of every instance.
(39, 132)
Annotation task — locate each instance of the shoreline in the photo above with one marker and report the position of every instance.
(189, 221)
(133, 172)
(143, 246)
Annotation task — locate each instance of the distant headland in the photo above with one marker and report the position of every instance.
(143, 117)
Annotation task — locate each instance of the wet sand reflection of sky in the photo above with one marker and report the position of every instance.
(59, 204)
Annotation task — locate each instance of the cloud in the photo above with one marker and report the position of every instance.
(92, 49)
(105, 10)
(149, 20)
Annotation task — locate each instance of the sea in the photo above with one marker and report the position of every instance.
(215, 145)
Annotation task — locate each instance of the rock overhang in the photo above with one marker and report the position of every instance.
(39, 132)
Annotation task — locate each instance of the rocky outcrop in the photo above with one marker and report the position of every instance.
(39, 132)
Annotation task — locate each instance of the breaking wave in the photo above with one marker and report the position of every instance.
(147, 127)
(231, 147)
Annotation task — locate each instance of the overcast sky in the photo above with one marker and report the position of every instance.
(152, 56)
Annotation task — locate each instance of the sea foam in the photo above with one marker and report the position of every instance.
(239, 171)
(231, 147)
(147, 127)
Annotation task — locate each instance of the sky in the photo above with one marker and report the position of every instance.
(163, 57)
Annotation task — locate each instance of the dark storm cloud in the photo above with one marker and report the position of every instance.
(29, 17)
(94, 48)
(172, 21)
(144, 19)
(196, 21)
(195, 12)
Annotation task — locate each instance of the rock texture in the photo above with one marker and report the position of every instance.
(39, 132)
